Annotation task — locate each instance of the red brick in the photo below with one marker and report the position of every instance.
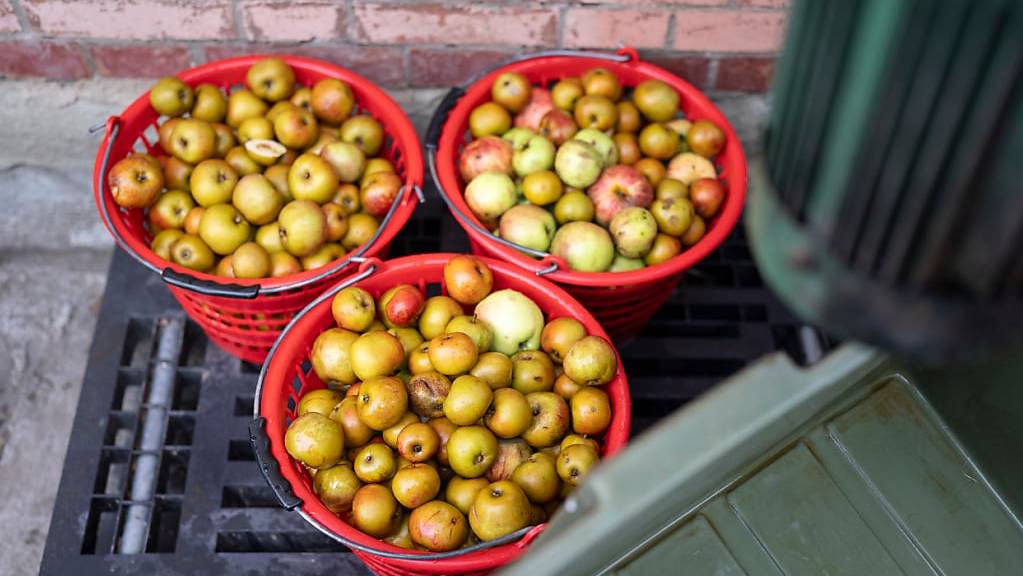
(728, 31)
(764, 3)
(692, 69)
(56, 60)
(140, 60)
(383, 65)
(454, 24)
(671, 3)
(285, 21)
(133, 19)
(429, 67)
(745, 74)
(595, 28)
(8, 19)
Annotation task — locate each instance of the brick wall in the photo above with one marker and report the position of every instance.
(719, 45)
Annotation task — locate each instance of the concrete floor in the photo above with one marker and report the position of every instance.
(54, 255)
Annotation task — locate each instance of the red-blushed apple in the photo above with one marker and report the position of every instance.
(540, 104)
(706, 194)
(491, 194)
(585, 246)
(557, 126)
(578, 163)
(378, 192)
(488, 154)
(467, 279)
(619, 187)
(401, 306)
(510, 454)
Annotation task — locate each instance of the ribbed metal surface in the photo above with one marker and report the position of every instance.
(897, 136)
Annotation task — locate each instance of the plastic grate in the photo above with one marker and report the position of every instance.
(212, 511)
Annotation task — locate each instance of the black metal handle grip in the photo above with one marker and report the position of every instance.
(440, 115)
(208, 287)
(268, 465)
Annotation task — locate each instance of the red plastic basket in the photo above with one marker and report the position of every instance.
(287, 375)
(245, 316)
(623, 301)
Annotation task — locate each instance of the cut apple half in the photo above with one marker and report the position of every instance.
(265, 152)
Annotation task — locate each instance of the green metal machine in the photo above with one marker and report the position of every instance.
(887, 207)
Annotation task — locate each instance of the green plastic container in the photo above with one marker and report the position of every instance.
(854, 466)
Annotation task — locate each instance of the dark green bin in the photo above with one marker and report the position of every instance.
(854, 466)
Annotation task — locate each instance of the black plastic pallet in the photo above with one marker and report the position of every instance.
(212, 512)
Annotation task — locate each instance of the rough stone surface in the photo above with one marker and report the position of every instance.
(47, 123)
(50, 234)
(46, 326)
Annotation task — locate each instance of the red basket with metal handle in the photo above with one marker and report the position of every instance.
(244, 316)
(623, 301)
(287, 375)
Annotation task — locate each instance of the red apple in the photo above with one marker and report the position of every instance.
(401, 305)
(540, 104)
(488, 154)
(378, 192)
(706, 194)
(557, 126)
(619, 187)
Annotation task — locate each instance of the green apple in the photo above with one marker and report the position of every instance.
(585, 246)
(515, 321)
(536, 155)
(491, 194)
(633, 230)
(578, 164)
(518, 137)
(602, 143)
(223, 228)
(529, 226)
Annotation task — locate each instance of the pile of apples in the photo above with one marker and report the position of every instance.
(545, 165)
(439, 429)
(268, 181)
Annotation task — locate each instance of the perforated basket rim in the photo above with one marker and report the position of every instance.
(396, 124)
(701, 108)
